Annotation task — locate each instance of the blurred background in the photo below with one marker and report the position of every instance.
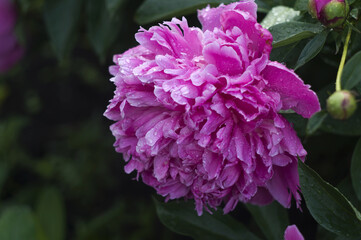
(59, 174)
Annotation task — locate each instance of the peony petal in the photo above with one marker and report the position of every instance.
(224, 58)
(7, 17)
(294, 93)
(161, 166)
(260, 38)
(212, 164)
(284, 184)
(209, 17)
(292, 233)
(262, 197)
(6, 62)
(278, 188)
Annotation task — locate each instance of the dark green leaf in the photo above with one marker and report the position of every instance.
(346, 188)
(267, 5)
(50, 212)
(102, 28)
(290, 32)
(350, 127)
(95, 225)
(288, 54)
(280, 54)
(323, 234)
(264, 5)
(356, 169)
(154, 10)
(313, 47)
(279, 15)
(354, 13)
(315, 122)
(181, 217)
(350, 1)
(298, 122)
(61, 17)
(327, 205)
(301, 5)
(351, 74)
(17, 223)
(4, 171)
(115, 6)
(27, 5)
(271, 219)
(358, 88)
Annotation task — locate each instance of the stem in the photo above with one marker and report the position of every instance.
(343, 59)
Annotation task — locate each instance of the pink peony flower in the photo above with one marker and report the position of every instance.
(292, 233)
(196, 111)
(10, 50)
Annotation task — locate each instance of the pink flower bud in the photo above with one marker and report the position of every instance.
(331, 13)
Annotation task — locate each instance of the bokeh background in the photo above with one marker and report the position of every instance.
(59, 173)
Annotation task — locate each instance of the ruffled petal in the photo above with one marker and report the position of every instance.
(294, 93)
(209, 17)
(292, 233)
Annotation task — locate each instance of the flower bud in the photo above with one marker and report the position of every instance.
(331, 13)
(341, 105)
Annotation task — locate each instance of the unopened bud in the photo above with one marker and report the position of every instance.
(341, 105)
(331, 13)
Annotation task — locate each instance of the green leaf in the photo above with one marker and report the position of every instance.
(4, 172)
(298, 122)
(94, 227)
(346, 188)
(350, 1)
(327, 205)
(358, 88)
(61, 18)
(315, 122)
(351, 74)
(356, 169)
(155, 10)
(301, 5)
(288, 54)
(354, 13)
(290, 32)
(279, 15)
(17, 223)
(114, 6)
(28, 5)
(51, 213)
(181, 217)
(101, 27)
(264, 5)
(271, 219)
(313, 47)
(349, 127)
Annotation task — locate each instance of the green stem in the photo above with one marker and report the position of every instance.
(343, 59)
